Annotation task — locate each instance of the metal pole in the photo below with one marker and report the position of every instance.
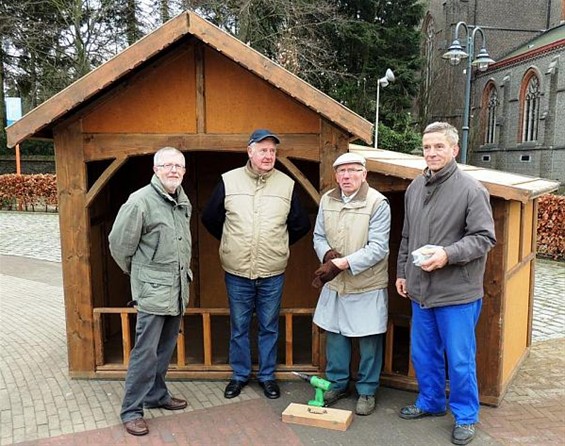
(466, 111)
(377, 115)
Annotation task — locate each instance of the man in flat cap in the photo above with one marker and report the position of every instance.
(255, 213)
(351, 240)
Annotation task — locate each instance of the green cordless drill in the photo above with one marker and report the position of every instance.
(319, 384)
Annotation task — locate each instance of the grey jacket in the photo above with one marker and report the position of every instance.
(449, 209)
(151, 241)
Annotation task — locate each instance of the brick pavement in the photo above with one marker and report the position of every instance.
(40, 405)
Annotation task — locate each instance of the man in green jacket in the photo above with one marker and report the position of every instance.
(151, 242)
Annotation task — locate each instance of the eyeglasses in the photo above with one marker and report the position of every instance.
(169, 166)
(349, 171)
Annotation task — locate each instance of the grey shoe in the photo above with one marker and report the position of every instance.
(365, 405)
(413, 412)
(463, 433)
(332, 395)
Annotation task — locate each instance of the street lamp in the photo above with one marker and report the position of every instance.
(482, 60)
(384, 81)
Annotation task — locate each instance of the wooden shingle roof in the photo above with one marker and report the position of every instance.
(39, 122)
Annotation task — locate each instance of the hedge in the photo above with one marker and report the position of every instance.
(39, 192)
(28, 192)
(551, 226)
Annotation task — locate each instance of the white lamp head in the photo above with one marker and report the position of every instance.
(388, 77)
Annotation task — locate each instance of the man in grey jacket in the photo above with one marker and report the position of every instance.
(449, 229)
(151, 242)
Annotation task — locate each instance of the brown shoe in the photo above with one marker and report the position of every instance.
(137, 427)
(174, 404)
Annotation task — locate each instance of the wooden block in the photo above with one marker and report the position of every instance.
(325, 417)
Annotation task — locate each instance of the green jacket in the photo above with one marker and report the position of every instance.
(151, 241)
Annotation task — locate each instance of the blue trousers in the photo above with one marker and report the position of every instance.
(264, 297)
(449, 332)
(155, 341)
(338, 355)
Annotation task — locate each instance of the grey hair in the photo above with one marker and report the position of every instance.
(446, 128)
(161, 152)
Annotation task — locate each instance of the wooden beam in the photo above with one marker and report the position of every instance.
(103, 179)
(98, 339)
(126, 338)
(288, 339)
(207, 338)
(332, 144)
(200, 88)
(101, 146)
(74, 222)
(181, 346)
(300, 177)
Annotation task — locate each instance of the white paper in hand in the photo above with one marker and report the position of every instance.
(423, 253)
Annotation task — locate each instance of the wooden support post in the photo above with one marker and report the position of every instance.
(126, 337)
(98, 339)
(74, 223)
(207, 338)
(288, 338)
(181, 349)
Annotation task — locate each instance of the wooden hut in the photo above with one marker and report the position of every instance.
(192, 86)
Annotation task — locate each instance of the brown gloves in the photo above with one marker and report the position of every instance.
(331, 254)
(328, 271)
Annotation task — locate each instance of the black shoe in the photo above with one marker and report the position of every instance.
(271, 389)
(233, 388)
(412, 412)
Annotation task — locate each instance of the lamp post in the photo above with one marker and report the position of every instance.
(384, 81)
(482, 60)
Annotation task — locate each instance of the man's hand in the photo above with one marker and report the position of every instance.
(436, 261)
(330, 255)
(328, 271)
(401, 287)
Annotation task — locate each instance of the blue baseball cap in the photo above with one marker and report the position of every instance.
(261, 134)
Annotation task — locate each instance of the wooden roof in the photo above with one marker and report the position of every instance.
(509, 186)
(39, 122)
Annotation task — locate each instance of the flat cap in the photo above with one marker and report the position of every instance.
(349, 158)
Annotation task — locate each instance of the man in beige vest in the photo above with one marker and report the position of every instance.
(351, 239)
(255, 213)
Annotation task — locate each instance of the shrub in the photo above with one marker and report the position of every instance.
(26, 192)
(551, 226)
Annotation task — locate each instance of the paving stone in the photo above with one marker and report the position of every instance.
(41, 405)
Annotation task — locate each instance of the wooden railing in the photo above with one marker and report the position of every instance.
(207, 364)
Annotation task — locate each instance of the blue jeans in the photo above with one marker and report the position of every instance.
(264, 297)
(338, 355)
(447, 331)
(155, 341)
